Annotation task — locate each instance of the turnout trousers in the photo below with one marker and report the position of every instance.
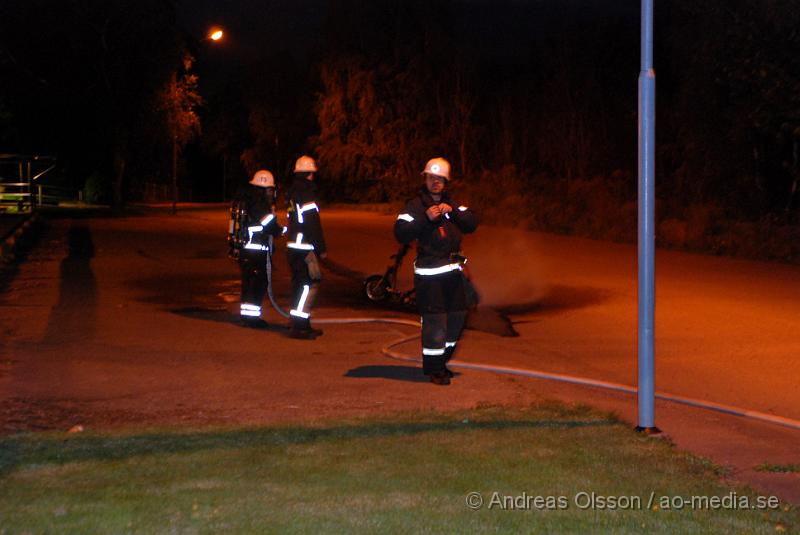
(443, 307)
(306, 276)
(253, 266)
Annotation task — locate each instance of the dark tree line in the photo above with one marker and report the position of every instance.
(544, 133)
(406, 80)
(733, 110)
(534, 103)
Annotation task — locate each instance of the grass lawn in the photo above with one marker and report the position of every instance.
(535, 470)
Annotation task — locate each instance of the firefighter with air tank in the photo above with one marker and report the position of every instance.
(252, 228)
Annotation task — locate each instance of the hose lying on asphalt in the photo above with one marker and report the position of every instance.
(329, 321)
(536, 374)
(584, 381)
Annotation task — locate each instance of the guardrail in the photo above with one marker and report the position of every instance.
(22, 196)
(22, 186)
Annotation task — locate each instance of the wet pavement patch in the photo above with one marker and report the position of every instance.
(559, 299)
(489, 320)
(198, 291)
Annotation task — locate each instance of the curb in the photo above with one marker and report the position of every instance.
(11, 244)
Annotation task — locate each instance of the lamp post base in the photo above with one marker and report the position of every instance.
(648, 430)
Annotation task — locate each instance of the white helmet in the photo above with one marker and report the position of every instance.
(263, 179)
(305, 164)
(439, 167)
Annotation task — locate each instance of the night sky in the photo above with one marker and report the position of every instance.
(501, 31)
(255, 27)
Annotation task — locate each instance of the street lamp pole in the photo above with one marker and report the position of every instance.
(214, 35)
(174, 89)
(224, 174)
(174, 175)
(647, 287)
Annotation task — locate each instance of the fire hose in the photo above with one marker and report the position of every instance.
(275, 305)
(534, 374)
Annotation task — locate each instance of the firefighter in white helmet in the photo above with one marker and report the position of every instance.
(306, 246)
(251, 231)
(437, 223)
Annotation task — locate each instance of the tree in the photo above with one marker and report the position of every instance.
(734, 117)
(279, 101)
(179, 101)
(394, 94)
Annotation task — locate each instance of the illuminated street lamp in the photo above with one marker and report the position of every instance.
(216, 34)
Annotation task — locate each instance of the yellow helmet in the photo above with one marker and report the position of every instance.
(439, 167)
(305, 164)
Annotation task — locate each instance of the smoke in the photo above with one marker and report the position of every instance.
(506, 266)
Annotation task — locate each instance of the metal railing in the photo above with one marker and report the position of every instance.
(23, 187)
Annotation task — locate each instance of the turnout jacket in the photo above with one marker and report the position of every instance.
(437, 241)
(260, 222)
(305, 227)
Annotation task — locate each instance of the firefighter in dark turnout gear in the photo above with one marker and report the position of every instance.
(252, 228)
(306, 246)
(437, 223)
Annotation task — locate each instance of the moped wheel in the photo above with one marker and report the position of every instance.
(376, 289)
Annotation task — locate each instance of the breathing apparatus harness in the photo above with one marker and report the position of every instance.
(237, 229)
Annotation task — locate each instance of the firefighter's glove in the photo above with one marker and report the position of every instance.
(458, 258)
(434, 212)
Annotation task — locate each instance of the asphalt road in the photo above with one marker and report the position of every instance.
(118, 321)
(727, 330)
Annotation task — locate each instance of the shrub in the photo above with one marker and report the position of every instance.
(97, 189)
